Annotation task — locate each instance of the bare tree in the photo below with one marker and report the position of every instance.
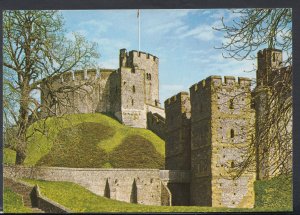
(252, 30)
(35, 50)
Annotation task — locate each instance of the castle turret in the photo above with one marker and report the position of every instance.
(271, 95)
(268, 60)
(123, 58)
(149, 64)
(139, 87)
(220, 133)
(178, 143)
(178, 114)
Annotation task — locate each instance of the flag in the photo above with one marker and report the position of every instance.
(138, 13)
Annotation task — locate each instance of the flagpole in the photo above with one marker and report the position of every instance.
(139, 30)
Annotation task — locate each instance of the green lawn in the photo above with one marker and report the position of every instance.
(12, 203)
(94, 140)
(274, 193)
(79, 199)
(9, 156)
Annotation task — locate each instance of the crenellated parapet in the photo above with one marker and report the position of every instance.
(127, 58)
(178, 113)
(216, 81)
(77, 75)
(177, 100)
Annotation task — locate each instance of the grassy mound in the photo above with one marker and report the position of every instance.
(13, 203)
(9, 156)
(79, 199)
(274, 193)
(92, 140)
(135, 147)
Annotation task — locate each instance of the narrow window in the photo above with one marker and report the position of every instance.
(274, 59)
(107, 189)
(232, 164)
(149, 76)
(231, 104)
(133, 89)
(132, 102)
(133, 195)
(232, 133)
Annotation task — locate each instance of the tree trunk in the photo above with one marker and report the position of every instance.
(20, 157)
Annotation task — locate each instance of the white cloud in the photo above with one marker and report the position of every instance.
(98, 26)
(202, 32)
(165, 27)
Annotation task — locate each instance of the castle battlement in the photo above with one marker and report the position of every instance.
(138, 54)
(217, 81)
(176, 99)
(80, 75)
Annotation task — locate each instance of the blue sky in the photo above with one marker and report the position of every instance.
(183, 40)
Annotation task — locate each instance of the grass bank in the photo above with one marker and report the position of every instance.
(79, 199)
(91, 140)
(13, 203)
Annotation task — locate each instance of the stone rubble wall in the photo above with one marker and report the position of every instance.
(121, 182)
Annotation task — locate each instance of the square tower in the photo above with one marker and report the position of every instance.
(178, 144)
(149, 63)
(221, 132)
(178, 132)
(268, 60)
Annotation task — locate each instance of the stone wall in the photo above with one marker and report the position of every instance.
(128, 93)
(33, 198)
(201, 190)
(156, 123)
(267, 60)
(133, 107)
(79, 92)
(178, 183)
(178, 132)
(119, 184)
(158, 110)
(223, 111)
(48, 205)
(273, 91)
(149, 64)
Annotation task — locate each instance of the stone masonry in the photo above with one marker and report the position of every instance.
(128, 93)
(271, 76)
(206, 131)
(222, 110)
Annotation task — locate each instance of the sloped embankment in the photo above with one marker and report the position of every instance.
(92, 141)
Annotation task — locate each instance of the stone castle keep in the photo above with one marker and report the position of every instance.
(206, 131)
(129, 93)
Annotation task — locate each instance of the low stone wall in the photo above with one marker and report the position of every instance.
(158, 110)
(32, 197)
(175, 176)
(48, 205)
(21, 188)
(119, 184)
(166, 196)
(178, 184)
